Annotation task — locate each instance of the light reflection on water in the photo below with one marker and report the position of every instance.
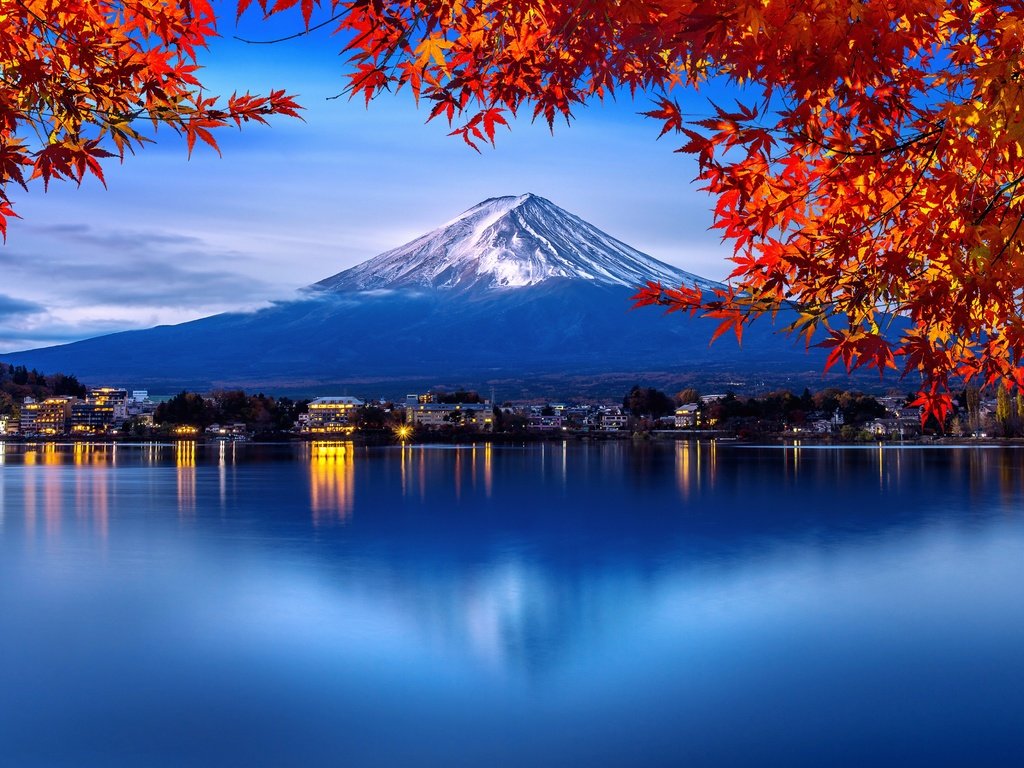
(331, 479)
(606, 603)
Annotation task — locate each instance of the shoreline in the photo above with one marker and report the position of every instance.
(660, 436)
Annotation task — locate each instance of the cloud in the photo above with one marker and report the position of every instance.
(116, 239)
(77, 280)
(81, 265)
(12, 307)
(44, 330)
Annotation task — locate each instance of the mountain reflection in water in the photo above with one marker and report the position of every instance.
(606, 603)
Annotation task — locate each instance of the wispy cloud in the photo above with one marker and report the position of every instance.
(85, 263)
(81, 280)
(33, 333)
(85, 234)
(11, 307)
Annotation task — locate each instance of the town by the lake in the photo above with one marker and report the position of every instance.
(113, 412)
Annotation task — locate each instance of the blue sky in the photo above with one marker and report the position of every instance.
(173, 239)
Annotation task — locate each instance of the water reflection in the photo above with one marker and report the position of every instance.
(684, 453)
(185, 462)
(47, 454)
(93, 454)
(222, 469)
(696, 467)
(488, 470)
(152, 453)
(92, 493)
(332, 479)
(892, 470)
(672, 594)
(473, 463)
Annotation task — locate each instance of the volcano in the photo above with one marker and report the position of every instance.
(509, 242)
(515, 293)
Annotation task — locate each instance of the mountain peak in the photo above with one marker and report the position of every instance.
(496, 207)
(508, 242)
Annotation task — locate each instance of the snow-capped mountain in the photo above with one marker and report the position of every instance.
(509, 242)
(515, 293)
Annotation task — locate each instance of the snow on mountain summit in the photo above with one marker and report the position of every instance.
(509, 242)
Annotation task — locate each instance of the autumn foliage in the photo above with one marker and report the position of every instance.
(84, 80)
(872, 167)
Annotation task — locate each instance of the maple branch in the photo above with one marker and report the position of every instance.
(301, 33)
(1010, 239)
(997, 197)
(882, 151)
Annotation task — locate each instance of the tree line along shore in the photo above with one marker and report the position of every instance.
(831, 414)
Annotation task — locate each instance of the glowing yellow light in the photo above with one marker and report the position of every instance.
(403, 432)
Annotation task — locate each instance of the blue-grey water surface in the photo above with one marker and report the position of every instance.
(578, 605)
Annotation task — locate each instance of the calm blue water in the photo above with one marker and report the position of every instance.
(584, 605)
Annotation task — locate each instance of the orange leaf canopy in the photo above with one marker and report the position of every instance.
(876, 172)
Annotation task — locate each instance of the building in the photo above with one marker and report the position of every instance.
(687, 416)
(112, 397)
(50, 417)
(140, 407)
(898, 427)
(542, 421)
(613, 419)
(707, 399)
(234, 431)
(104, 411)
(478, 416)
(330, 415)
(92, 418)
(27, 419)
(4, 421)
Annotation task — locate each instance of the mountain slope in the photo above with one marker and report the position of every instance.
(509, 242)
(515, 293)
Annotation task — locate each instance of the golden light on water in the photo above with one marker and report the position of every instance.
(683, 468)
(331, 479)
(185, 461)
(480, 470)
(488, 470)
(94, 454)
(44, 490)
(697, 466)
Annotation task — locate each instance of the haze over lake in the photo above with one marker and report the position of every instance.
(558, 604)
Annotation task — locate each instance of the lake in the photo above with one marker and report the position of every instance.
(579, 604)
